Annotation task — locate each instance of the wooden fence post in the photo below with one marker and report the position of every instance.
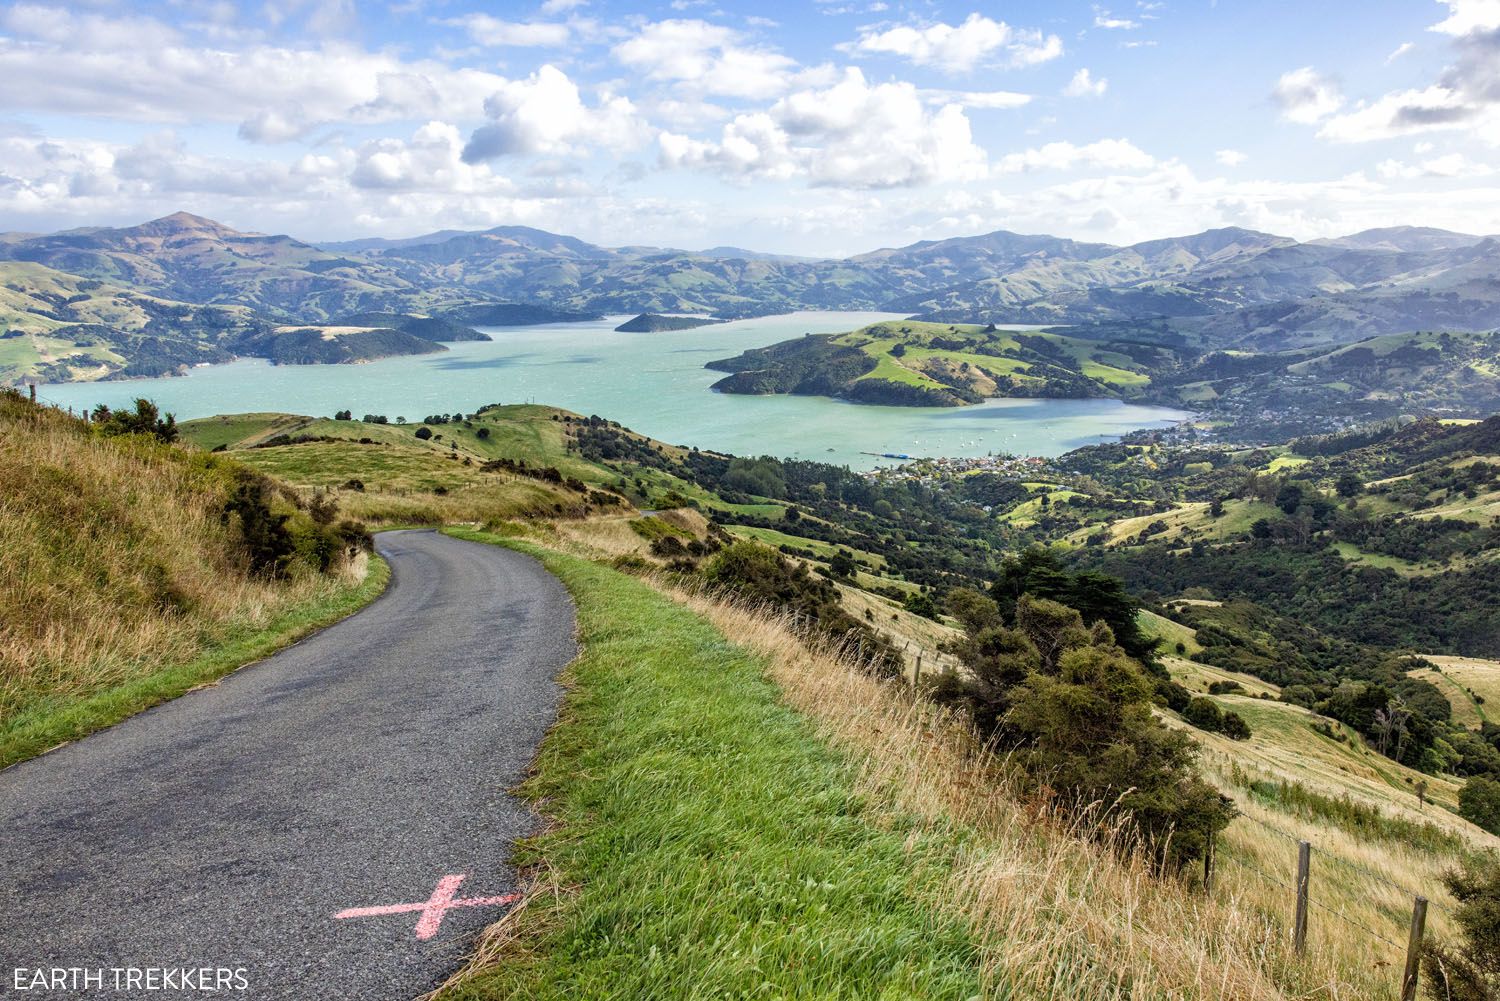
(916, 678)
(1208, 866)
(1414, 950)
(1299, 924)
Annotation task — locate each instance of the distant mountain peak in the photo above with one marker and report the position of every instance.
(186, 222)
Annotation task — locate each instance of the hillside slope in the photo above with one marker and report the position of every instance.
(126, 559)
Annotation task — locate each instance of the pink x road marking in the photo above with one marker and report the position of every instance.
(441, 902)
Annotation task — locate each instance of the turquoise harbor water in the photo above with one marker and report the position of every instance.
(654, 383)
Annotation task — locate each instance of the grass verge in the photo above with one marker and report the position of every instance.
(705, 843)
(57, 720)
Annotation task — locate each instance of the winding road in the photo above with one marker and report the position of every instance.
(332, 822)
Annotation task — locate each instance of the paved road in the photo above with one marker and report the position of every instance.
(358, 768)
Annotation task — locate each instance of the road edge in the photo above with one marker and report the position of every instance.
(31, 738)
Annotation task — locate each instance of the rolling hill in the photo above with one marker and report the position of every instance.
(1225, 288)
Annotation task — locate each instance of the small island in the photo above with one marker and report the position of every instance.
(651, 323)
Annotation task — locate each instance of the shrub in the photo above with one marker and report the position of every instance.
(1479, 803)
(1074, 710)
(1470, 971)
(760, 574)
(1205, 714)
(424, 433)
(144, 419)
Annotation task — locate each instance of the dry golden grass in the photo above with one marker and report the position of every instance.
(117, 559)
(1059, 915)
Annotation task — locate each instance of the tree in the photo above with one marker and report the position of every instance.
(842, 564)
(1289, 498)
(1234, 726)
(1479, 803)
(918, 603)
(975, 610)
(144, 419)
(1470, 971)
(424, 433)
(1069, 706)
(1205, 714)
(483, 434)
(1349, 485)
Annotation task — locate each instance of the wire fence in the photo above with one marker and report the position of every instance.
(1303, 899)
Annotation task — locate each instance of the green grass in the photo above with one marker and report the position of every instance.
(823, 550)
(51, 722)
(1169, 632)
(710, 844)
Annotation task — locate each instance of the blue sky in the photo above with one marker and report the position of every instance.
(812, 128)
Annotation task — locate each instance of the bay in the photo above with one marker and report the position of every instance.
(654, 383)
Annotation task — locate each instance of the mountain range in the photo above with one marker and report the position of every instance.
(180, 290)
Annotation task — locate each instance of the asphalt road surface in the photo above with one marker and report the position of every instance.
(365, 767)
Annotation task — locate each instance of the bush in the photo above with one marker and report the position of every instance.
(1234, 726)
(1075, 711)
(1205, 714)
(1470, 971)
(144, 419)
(760, 574)
(424, 433)
(1479, 803)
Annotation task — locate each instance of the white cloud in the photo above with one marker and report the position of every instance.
(1103, 19)
(1306, 97)
(1230, 157)
(706, 57)
(1452, 165)
(1399, 51)
(494, 32)
(561, 6)
(1465, 97)
(1109, 154)
(54, 60)
(1084, 85)
(978, 99)
(960, 48)
(1468, 16)
(841, 136)
(545, 113)
(1399, 113)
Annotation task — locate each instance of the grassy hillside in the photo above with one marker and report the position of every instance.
(941, 878)
(932, 364)
(60, 327)
(1300, 774)
(128, 576)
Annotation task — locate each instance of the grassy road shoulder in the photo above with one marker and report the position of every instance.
(711, 844)
(55, 721)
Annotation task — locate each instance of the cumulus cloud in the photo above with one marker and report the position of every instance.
(1083, 84)
(1468, 16)
(1306, 97)
(56, 60)
(1230, 157)
(1466, 96)
(494, 32)
(960, 48)
(841, 136)
(710, 58)
(546, 113)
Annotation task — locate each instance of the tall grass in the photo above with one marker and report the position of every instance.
(1056, 914)
(118, 561)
